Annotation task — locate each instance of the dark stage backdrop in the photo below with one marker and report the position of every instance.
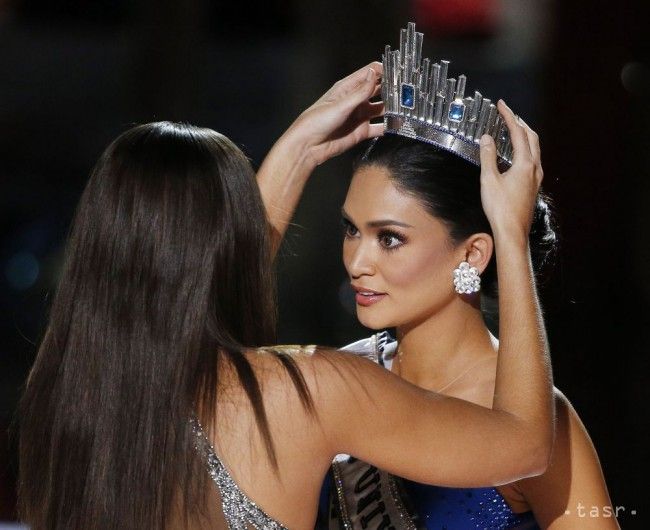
(74, 74)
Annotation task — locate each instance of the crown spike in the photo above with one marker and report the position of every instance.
(444, 72)
(424, 76)
(469, 104)
(435, 79)
(410, 54)
(410, 38)
(494, 125)
(417, 52)
(413, 113)
(449, 92)
(502, 135)
(460, 89)
(438, 108)
(476, 108)
(431, 73)
(397, 79)
(395, 66)
(489, 123)
(482, 119)
(424, 106)
(433, 87)
(385, 61)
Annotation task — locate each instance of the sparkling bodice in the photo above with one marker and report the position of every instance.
(239, 511)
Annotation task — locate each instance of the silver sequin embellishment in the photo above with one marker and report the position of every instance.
(239, 510)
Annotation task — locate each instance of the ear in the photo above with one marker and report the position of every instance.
(478, 250)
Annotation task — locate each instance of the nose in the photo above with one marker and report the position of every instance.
(359, 259)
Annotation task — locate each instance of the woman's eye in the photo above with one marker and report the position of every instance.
(390, 240)
(349, 230)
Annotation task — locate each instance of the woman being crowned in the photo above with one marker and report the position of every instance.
(421, 247)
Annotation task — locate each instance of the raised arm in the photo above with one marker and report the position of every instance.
(336, 122)
(376, 416)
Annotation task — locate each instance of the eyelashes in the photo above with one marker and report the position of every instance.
(349, 230)
(388, 240)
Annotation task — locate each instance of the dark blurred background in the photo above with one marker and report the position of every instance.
(74, 74)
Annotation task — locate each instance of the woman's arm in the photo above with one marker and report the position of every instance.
(336, 122)
(572, 492)
(374, 415)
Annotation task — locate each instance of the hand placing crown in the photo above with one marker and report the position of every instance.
(422, 103)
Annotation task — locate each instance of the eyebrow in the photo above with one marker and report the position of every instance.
(378, 223)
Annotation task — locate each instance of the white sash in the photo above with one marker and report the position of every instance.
(365, 497)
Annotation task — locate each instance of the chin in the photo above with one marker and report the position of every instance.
(373, 319)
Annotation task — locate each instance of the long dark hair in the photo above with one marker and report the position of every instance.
(450, 190)
(167, 275)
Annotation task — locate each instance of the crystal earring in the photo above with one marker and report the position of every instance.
(466, 279)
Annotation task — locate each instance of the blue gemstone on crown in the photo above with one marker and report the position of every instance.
(408, 96)
(456, 111)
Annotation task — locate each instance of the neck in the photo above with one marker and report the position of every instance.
(443, 346)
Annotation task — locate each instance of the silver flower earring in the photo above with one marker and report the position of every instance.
(466, 279)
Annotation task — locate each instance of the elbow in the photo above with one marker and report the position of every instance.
(539, 440)
(538, 455)
(539, 463)
(542, 441)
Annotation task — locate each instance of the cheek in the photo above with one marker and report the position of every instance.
(347, 254)
(419, 270)
(421, 284)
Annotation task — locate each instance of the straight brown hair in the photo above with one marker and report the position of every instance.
(167, 275)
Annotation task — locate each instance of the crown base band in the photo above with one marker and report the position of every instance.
(440, 137)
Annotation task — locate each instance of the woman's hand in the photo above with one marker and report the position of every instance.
(509, 198)
(336, 122)
(341, 117)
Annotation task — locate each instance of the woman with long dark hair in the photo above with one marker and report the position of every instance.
(157, 374)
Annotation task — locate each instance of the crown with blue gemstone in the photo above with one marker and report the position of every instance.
(422, 103)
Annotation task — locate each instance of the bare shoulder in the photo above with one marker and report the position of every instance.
(342, 387)
(571, 437)
(327, 373)
(314, 397)
(573, 483)
(572, 444)
(285, 387)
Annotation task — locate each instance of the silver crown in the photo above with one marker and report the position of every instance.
(421, 103)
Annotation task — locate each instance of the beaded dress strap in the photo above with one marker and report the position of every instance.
(239, 510)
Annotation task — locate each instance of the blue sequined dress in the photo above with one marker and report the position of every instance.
(357, 495)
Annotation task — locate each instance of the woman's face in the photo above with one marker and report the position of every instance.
(400, 259)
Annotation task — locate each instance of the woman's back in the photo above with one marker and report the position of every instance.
(289, 493)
